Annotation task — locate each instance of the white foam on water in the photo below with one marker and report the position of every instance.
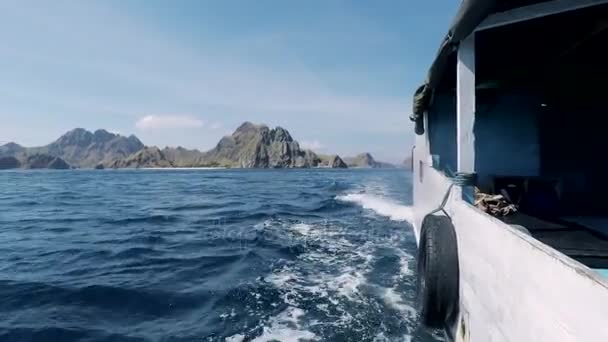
(323, 307)
(281, 277)
(285, 327)
(226, 315)
(405, 261)
(235, 338)
(339, 280)
(263, 225)
(303, 229)
(395, 301)
(287, 280)
(381, 206)
(404, 266)
(381, 338)
(347, 284)
(323, 285)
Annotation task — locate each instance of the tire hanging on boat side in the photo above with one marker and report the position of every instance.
(438, 271)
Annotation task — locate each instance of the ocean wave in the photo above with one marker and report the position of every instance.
(336, 274)
(25, 203)
(43, 334)
(152, 303)
(380, 205)
(135, 252)
(202, 206)
(63, 334)
(337, 280)
(57, 219)
(156, 218)
(209, 256)
(148, 239)
(329, 206)
(397, 302)
(285, 327)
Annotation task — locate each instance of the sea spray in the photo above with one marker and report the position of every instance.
(381, 206)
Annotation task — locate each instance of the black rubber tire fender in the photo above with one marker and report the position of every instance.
(438, 271)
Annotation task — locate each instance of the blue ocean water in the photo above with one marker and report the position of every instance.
(207, 255)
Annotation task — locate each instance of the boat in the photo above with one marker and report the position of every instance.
(510, 174)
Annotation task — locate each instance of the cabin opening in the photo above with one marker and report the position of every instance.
(541, 136)
(442, 124)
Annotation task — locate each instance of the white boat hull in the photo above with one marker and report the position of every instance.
(512, 287)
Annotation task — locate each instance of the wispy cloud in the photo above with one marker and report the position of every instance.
(153, 122)
(312, 145)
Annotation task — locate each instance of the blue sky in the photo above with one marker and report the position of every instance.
(338, 75)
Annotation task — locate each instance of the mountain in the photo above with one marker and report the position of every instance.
(258, 146)
(44, 161)
(146, 157)
(13, 150)
(250, 146)
(79, 148)
(332, 161)
(14, 156)
(365, 160)
(182, 157)
(82, 148)
(9, 163)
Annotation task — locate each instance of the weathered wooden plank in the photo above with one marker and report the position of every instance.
(536, 11)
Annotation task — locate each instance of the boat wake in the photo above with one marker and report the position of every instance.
(331, 258)
(380, 205)
(333, 288)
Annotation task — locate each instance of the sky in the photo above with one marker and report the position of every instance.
(339, 75)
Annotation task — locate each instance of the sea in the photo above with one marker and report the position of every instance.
(208, 255)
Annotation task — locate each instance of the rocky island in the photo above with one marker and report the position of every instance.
(77, 148)
(365, 160)
(249, 146)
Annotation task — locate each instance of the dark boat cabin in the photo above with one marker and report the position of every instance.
(540, 133)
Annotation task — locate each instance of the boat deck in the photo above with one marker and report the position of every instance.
(584, 239)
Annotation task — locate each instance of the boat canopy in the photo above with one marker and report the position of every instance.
(470, 14)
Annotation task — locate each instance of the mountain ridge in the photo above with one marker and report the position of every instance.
(366, 160)
(249, 146)
(80, 148)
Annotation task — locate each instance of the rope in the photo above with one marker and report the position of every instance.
(462, 179)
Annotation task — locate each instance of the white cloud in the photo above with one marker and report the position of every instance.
(152, 122)
(216, 125)
(311, 145)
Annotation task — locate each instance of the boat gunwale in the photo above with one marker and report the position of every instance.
(579, 267)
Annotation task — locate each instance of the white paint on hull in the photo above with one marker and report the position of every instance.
(513, 287)
(518, 289)
(465, 105)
